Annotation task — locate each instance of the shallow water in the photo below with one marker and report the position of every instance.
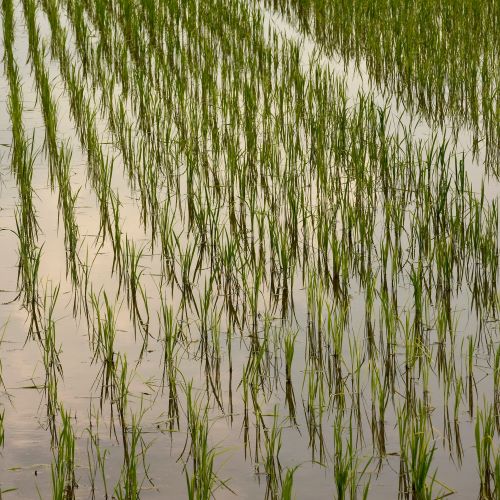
(27, 454)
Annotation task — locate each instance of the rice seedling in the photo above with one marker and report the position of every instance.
(272, 466)
(135, 290)
(129, 485)
(417, 451)
(287, 486)
(63, 466)
(2, 428)
(112, 375)
(484, 432)
(171, 334)
(289, 348)
(203, 480)
(96, 458)
(51, 359)
(346, 471)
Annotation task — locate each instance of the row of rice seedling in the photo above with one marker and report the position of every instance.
(58, 153)
(22, 159)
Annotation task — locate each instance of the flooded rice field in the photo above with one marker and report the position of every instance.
(249, 249)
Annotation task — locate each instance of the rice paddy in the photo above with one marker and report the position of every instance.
(249, 249)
